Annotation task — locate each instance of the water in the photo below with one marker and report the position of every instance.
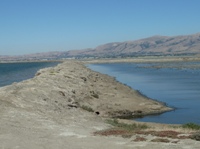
(16, 72)
(176, 84)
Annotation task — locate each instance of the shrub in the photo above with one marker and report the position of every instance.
(191, 126)
(127, 126)
(93, 94)
(87, 108)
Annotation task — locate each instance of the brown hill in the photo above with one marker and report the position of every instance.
(156, 45)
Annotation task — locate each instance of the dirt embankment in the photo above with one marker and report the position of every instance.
(61, 107)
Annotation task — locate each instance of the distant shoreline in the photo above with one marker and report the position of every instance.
(139, 59)
(146, 59)
(38, 61)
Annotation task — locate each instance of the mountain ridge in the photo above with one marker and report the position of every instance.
(154, 45)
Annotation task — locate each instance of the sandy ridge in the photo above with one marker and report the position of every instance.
(48, 110)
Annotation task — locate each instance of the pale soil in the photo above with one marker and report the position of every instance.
(45, 112)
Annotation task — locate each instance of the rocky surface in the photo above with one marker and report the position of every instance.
(62, 107)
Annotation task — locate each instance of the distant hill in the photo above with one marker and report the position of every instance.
(156, 45)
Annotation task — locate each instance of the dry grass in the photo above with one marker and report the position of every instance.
(129, 127)
(162, 131)
(166, 134)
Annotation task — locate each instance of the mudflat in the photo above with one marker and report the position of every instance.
(67, 105)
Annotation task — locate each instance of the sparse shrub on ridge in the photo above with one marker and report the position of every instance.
(87, 108)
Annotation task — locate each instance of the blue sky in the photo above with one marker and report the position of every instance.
(31, 26)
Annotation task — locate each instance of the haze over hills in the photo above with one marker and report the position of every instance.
(155, 45)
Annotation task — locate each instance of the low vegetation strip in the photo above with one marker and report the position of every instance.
(192, 126)
(121, 129)
(130, 127)
(128, 130)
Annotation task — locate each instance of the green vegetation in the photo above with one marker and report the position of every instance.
(52, 72)
(125, 126)
(191, 126)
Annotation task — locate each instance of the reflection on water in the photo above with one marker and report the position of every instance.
(176, 84)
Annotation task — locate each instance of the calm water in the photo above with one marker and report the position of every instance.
(16, 72)
(176, 84)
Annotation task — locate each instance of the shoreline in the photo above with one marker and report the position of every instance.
(145, 59)
(114, 111)
(127, 60)
(37, 61)
(123, 113)
(139, 59)
(68, 103)
(161, 64)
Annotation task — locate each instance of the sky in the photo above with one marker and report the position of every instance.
(33, 26)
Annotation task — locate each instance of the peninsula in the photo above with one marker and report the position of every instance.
(67, 106)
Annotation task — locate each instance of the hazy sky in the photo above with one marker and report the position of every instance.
(31, 26)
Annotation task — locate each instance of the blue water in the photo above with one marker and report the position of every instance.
(16, 72)
(176, 84)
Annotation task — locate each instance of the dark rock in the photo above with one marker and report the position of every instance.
(72, 105)
(84, 78)
(121, 114)
(94, 94)
(138, 112)
(62, 93)
(196, 136)
(73, 91)
(37, 74)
